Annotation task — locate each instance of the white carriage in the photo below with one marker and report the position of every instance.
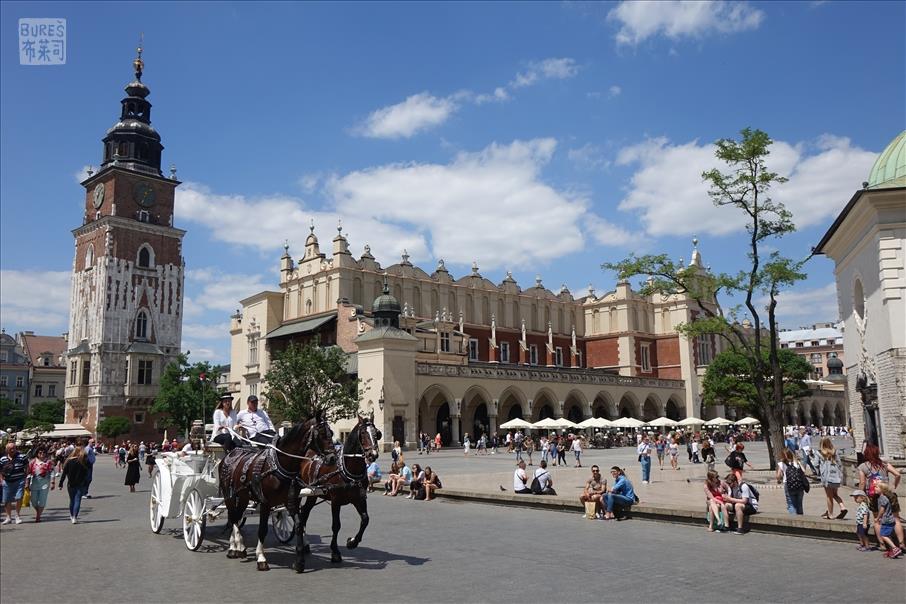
(187, 486)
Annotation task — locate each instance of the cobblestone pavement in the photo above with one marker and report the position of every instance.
(427, 551)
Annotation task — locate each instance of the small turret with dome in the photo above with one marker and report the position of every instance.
(386, 309)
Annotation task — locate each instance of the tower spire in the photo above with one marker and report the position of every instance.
(138, 63)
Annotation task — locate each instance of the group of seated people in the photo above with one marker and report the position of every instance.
(542, 481)
(730, 497)
(608, 504)
(254, 422)
(422, 483)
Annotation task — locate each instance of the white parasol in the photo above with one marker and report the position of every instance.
(718, 421)
(515, 424)
(662, 422)
(748, 421)
(627, 422)
(690, 421)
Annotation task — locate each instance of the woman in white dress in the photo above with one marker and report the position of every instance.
(224, 421)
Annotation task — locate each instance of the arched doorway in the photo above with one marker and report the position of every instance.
(672, 410)
(574, 414)
(514, 413)
(444, 425)
(649, 410)
(480, 422)
(628, 407)
(545, 411)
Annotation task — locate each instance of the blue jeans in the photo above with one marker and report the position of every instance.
(75, 499)
(13, 490)
(611, 500)
(646, 468)
(794, 501)
(87, 484)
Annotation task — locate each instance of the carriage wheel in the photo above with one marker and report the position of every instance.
(194, 518)
(156, 513)
(284, 526)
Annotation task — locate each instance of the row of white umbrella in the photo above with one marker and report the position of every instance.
(551, 423)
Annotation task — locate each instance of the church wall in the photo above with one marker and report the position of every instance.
(602, 352)
(668, 358)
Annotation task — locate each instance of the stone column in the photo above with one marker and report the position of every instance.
(559, 409)
(492, 416)
(455, 418)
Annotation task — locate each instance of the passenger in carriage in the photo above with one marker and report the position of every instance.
(256, 422)
(224, 421)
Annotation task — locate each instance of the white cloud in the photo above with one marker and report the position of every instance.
(677, 19)
(403, 120)
(82, 173)
(588, 156)
(34, 300)
(668, 193)
(806, 306)
(548, 69)
(200, 353)
(200, 331)
(607, 233)
(614, 91)
(309, 182)
(499, 95)
(222, 291)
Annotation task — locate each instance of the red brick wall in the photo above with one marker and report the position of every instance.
(603, 352)
(120, 189)
(668, 355)
(95, 238)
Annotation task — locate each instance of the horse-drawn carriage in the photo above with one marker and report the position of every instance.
(188, 487)
(280, 481)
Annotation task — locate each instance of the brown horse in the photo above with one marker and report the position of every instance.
(346, 482)
(267, 475)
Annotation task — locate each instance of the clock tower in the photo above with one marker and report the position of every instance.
(125, 318)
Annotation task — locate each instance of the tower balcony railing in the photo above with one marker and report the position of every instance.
(141, 390)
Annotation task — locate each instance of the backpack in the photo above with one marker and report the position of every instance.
(733, 461)
(795, 479)
(535, 486)
(755, 494)
(870, 479)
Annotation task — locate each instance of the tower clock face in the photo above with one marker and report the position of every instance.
(144, 194)
(99, 195)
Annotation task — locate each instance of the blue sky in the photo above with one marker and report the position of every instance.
(544, 138)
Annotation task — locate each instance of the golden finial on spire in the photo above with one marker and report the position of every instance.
(138, 64)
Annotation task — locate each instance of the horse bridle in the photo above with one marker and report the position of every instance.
(370, 430)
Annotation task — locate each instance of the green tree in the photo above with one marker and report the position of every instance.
(187, 392)
(745, 187)
(11, 416)
(42, 416)
(728, 380)
(305, 380)
(111, 427)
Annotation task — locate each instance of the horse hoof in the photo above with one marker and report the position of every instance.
(263, 566)
(351, 543)
(336, 558)
(242, 555)
(306, 549)
(231, 554)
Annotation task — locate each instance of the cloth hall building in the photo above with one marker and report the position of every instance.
(466, 354)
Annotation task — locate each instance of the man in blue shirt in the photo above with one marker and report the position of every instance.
(13, 468)
(374, 473)
(621, 495)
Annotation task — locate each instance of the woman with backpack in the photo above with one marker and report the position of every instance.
(831, 477)
(795, 484)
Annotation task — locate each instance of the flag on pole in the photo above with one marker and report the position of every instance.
(202, 377)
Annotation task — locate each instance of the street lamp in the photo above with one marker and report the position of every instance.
(380, 401)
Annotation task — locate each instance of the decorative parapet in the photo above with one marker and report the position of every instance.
(493, 371)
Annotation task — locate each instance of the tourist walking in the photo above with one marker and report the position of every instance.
(554, 449)
(831, 473)
(149, 459)
(795, 484)
(660, 447)
(39, 481)
(466, 443)
(673, 448)
(90, 457)
(736, 460)
(133, 469)
(561, 452)
(528, 443)
(76, 471)
(644, 451)
(13, 469)
(577, 451)
(142, 451)
(805, 448)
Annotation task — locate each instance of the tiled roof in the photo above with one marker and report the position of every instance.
(35, 346)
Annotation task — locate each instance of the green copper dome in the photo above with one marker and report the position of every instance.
(890, 168)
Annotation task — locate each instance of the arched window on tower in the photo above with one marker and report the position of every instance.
(145, 256)
(89, 256)
(141, 325)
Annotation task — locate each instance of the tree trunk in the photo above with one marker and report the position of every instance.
(774, 427)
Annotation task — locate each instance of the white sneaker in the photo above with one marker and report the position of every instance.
(6, 520)
(18, 520)
(74, 520)
(644, 482)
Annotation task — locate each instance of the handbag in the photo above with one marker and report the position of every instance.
(26, 497)
(590, 509)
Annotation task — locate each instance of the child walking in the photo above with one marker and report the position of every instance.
(888, 507)
(863, 517)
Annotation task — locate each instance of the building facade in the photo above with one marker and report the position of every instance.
(13, 372)
(47, 370)
(127, 276)
(867, 243)
(467, 353)
(821, 345)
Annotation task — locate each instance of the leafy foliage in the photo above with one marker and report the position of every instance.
(45, 414)
(11, 416)
(742, 330)
(111, 427)
(184, 396)
(728, 380)
(307, 380)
